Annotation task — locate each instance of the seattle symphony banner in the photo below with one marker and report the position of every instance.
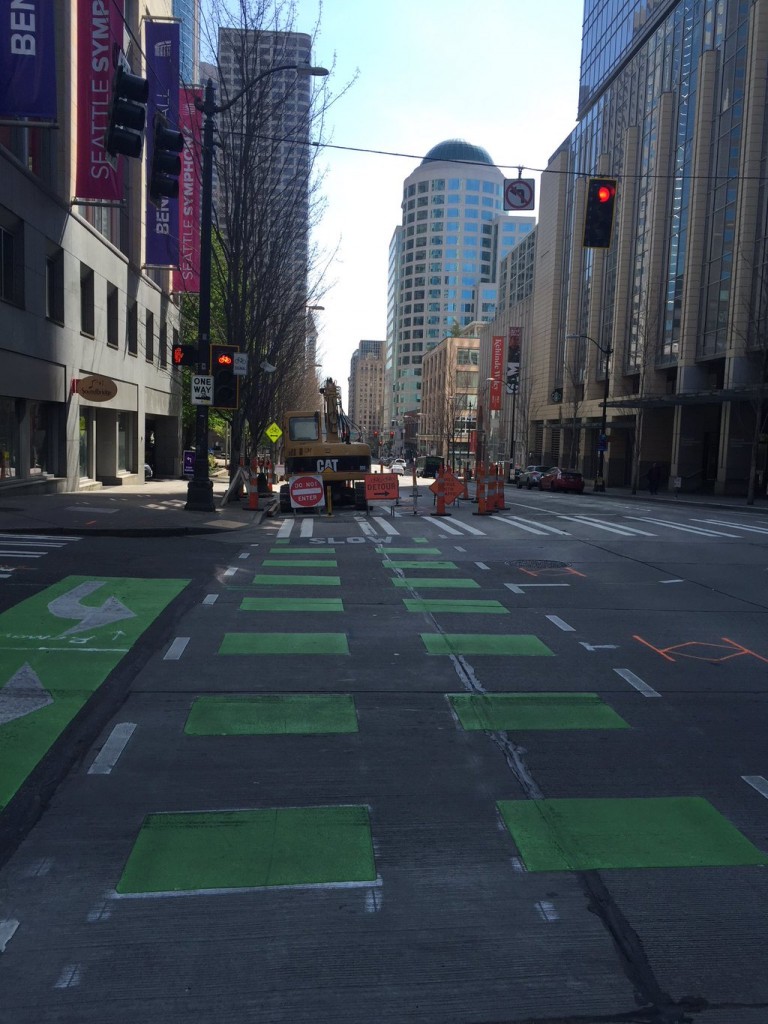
(187, 277)
(161, 44)
(27, 60)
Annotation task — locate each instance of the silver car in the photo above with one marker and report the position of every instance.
(531, 477)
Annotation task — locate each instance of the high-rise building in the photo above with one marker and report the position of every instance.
(188, 13)
(443, 259)
(367, 409)
(663, 332)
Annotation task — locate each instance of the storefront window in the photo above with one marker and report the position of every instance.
(9, 438)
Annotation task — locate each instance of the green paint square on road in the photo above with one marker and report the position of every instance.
(292, 604)
(424, 582)
(279, 714)
(525, 645)
(304, 563)
(520, 711)
(653, 832)
(392, 563)
(250, 848)
(284, 643)
(276, 580)
(460, 607)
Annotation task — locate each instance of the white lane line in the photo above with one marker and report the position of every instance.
(557, 621)
(464, 550)
(735, 526)
(35, 537)
(307, 528)
(518, 588)
(637, 682)
(685, 529)
(285, 529)
(7, 930)
(547, 911)
(108, 756)
(230, 571)
(210, 599)
(624, 531)
(176, 649)
(367, 529)
(69, 977)
(22, 554)
(244, 554)
(672, 581)
(482, 565)
(382, 523)
(757, 782)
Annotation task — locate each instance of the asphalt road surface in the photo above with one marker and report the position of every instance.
(394, 767)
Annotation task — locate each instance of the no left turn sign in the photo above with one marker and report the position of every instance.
(519, 193)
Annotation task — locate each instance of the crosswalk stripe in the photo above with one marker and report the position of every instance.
(733, 526)
(441, 523)
(470, 529)
(624, 531)
(385, 526)
(34, 538)
(685, 529)
(539, 528)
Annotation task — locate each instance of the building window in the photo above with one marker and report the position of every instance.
(149, 349)
(54, 286)
(163, 344)
(133, 329)
(87, 310)
(12, 262)
(112, 316)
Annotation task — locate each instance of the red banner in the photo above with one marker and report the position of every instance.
(497, 372)
(187, 277)
(99, 34)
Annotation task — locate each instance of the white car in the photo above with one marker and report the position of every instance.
(397, 466)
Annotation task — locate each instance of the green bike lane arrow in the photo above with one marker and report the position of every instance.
(56, 649)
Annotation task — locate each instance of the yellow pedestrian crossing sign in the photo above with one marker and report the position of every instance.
(273, 432)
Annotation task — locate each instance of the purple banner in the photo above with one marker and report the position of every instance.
(27, 60)
(161, 40)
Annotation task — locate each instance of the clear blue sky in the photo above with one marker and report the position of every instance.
(500, 74)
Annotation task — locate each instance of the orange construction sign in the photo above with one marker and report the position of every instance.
(454, 488)
(381, 487)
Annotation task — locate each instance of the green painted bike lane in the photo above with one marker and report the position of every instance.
(56, 650)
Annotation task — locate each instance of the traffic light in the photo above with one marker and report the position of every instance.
(598, 219)
(225, 383)
(127, 114)
(391, 434)
(166, 162)
(184, 355)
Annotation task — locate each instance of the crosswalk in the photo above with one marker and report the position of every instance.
(578, 525)
(17, 548)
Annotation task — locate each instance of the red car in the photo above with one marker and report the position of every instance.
(557, 479)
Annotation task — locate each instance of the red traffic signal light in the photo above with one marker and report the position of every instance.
(224, 359)
(598, 216)
(226, 386)
(391, 434)
(184, 355)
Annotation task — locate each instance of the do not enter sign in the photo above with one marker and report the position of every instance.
(306, 491)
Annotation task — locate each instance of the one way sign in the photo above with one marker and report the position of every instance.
(202, 389)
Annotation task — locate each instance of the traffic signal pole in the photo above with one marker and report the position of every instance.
(200, 487)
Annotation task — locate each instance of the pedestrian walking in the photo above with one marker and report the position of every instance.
(654, 478)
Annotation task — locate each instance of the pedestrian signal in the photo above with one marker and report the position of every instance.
(184, 355)
(226, 392)
(598, 217)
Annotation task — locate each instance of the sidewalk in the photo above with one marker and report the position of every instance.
(150, 509)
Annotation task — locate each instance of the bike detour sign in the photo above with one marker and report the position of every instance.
(381, 487)
(307, 491)
(451, 486)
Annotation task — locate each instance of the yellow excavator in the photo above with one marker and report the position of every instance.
(323, 445)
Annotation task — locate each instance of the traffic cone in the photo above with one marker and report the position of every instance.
(440, 510)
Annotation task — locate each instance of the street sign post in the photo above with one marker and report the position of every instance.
(307, 491)
(202, 389)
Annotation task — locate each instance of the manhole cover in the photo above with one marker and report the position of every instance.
(536, 563)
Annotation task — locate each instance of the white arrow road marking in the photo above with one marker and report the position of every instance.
(68, 606)
(22, 695)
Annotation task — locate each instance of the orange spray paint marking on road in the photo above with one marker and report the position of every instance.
(735, 650)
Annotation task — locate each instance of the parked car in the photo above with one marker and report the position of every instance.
(397, 466)
(556, 479)
(531, 476)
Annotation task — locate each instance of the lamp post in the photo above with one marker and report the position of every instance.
(602, 443)
(200, 487)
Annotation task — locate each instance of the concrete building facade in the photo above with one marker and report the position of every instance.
(367, 408)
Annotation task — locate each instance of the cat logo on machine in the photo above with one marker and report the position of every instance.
(323, 464)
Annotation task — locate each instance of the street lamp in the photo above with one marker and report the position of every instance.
(200, 487)
(602, 443)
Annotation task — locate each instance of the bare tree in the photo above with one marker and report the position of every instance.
(268, 200)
